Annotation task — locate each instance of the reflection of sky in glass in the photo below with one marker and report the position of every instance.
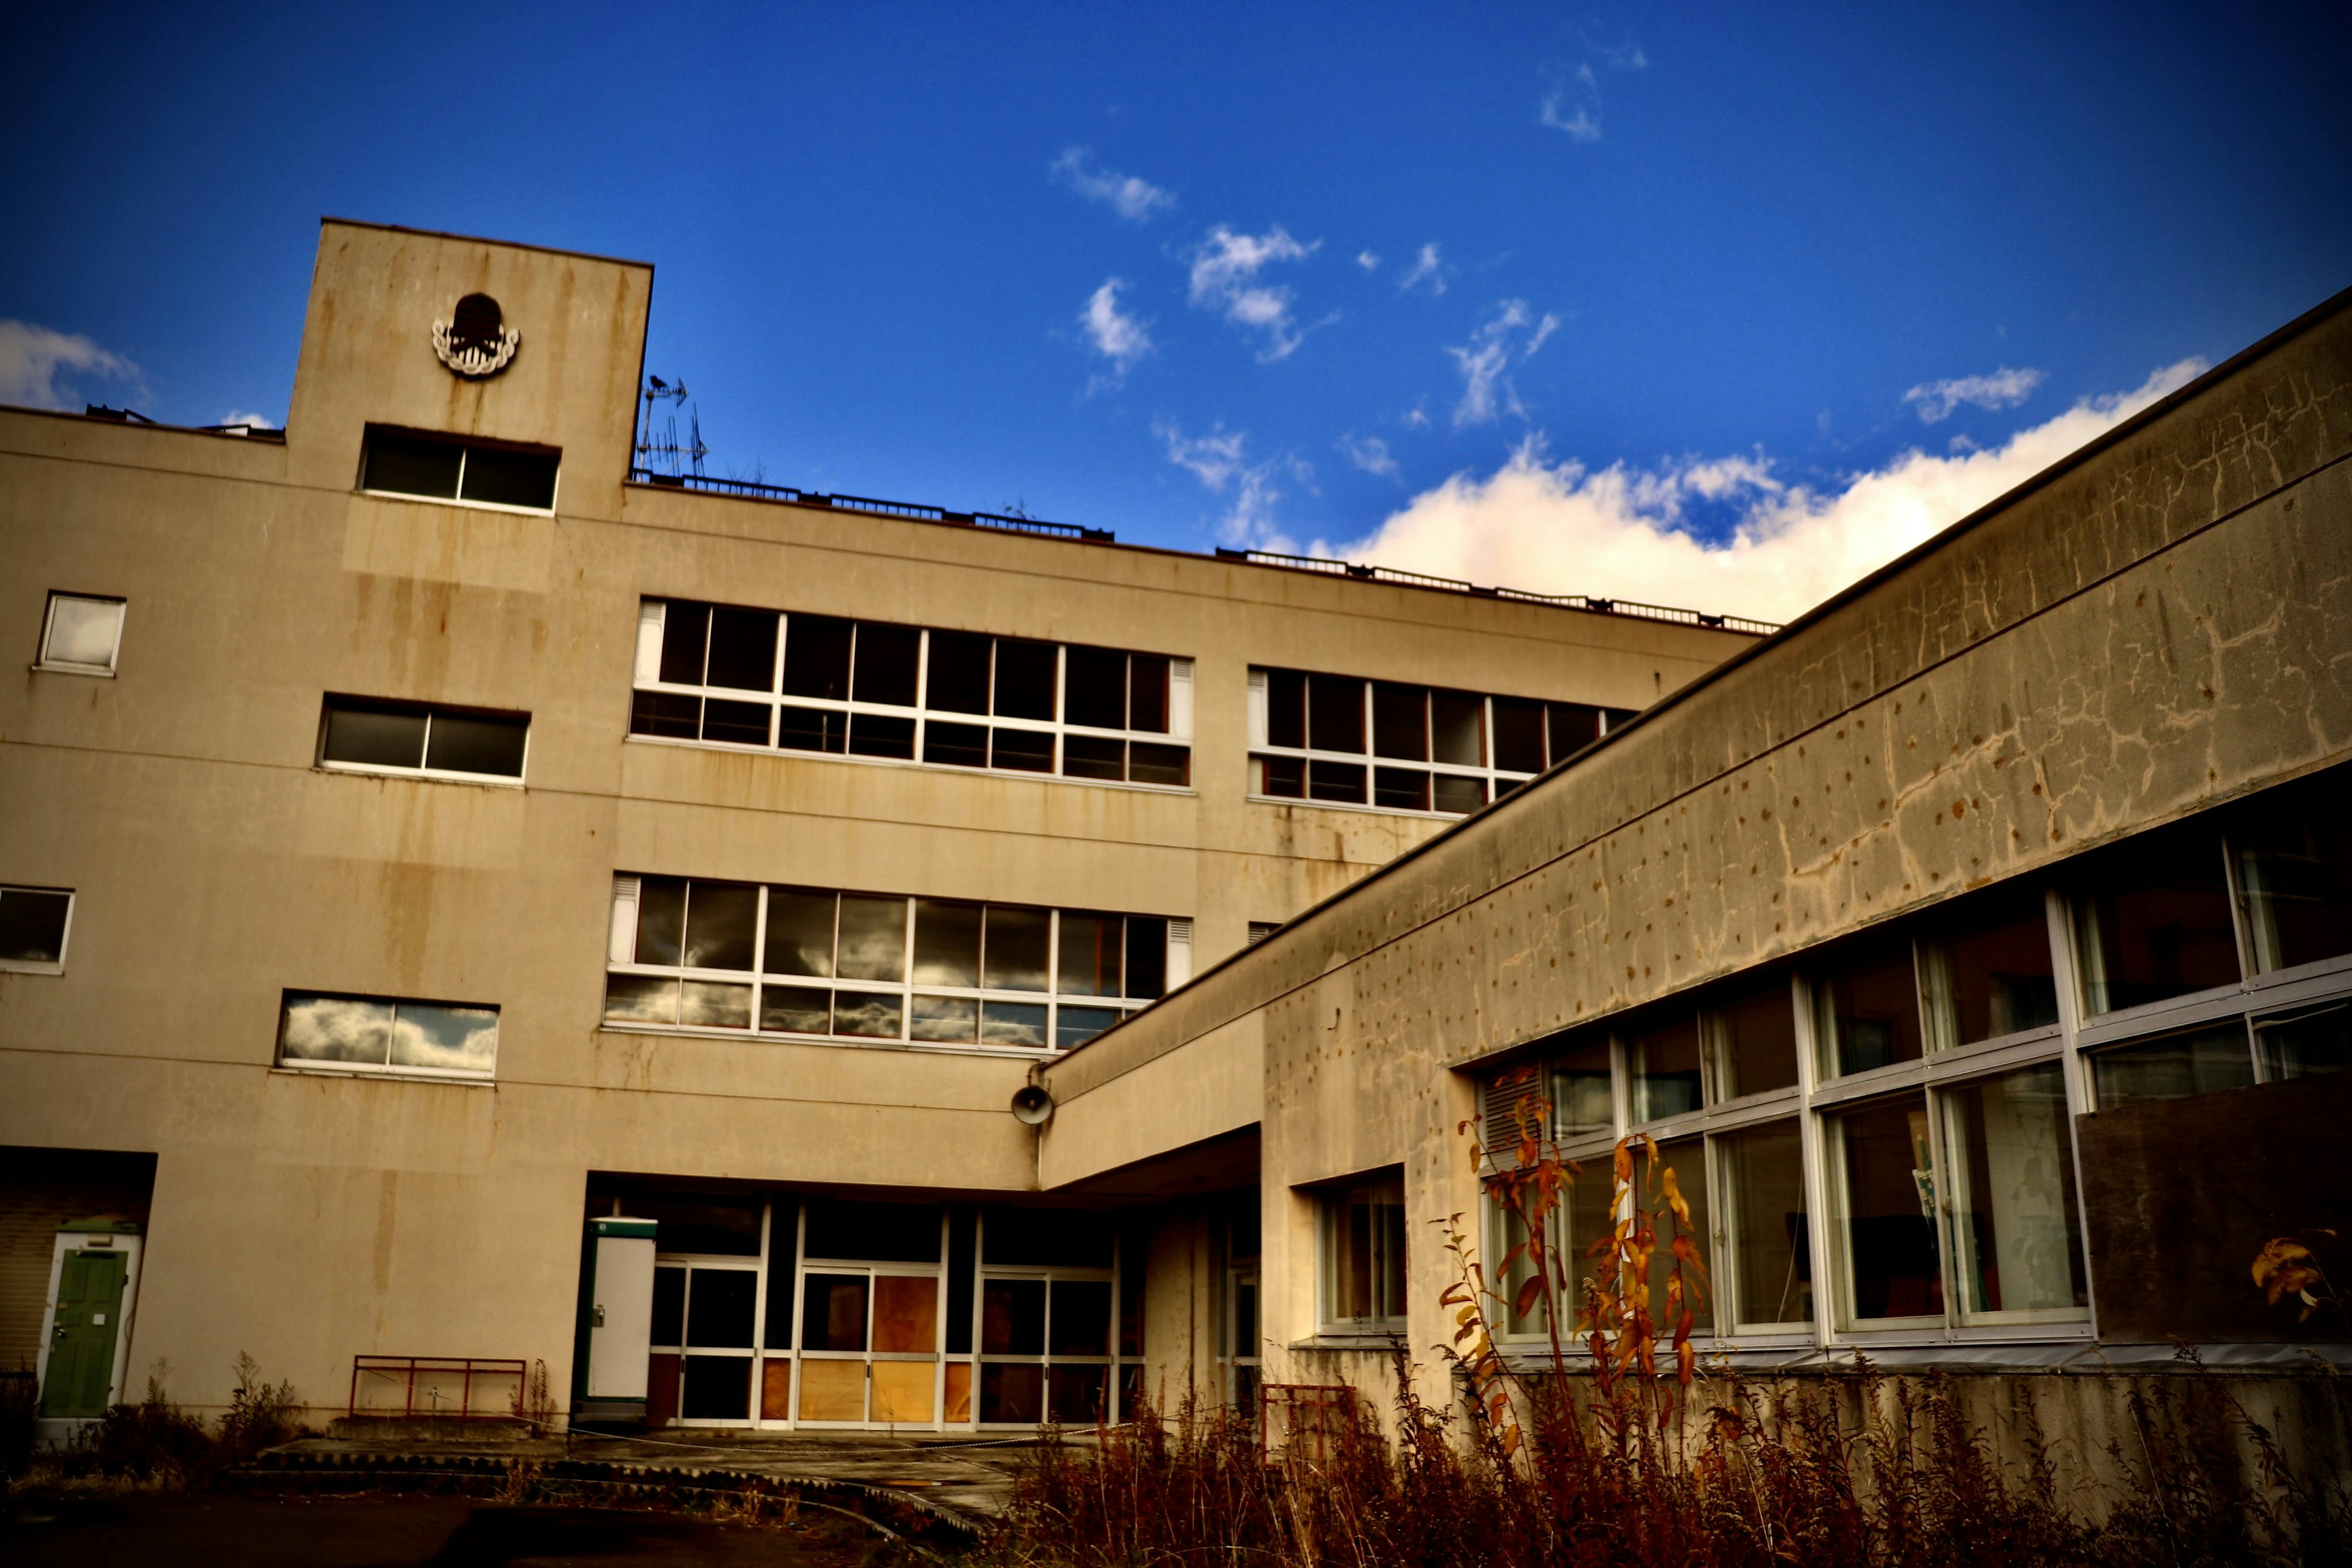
(1013, 1024)
(336, 1029)
(715, 1005)
(863, 1012)
(873, 938)
(453, 1039)
(82, 632)
(1079, 1024)
(951, 1019)
(641, 999)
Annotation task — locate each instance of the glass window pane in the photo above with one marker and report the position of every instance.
(1079, 1321)
(1886, 1211)
(661, 919)
(795, 1009)
(1028, 750)
(956, 745)
(1507, 1229)
(1012, 1392)
(1453, 793)
(1016, 949)
(881, 735)
(944, 1020)
(381, 735)
(2017, 1237)
(1147, 957)
(1664, 1062)
(2172, 1067)
(1075, 1393)
(1457, 728)
(640, 999)
(1400, 722)
(82, 631)
(1088, 962)
(1285, 709)
(1582, 1104)
(670, 1306)
(866, 1015)
(1866, 1010)
(1147, 681)
(335, 1029)
(799, 931)
(1074, 1027)
(686, 637)
(411, 467)
(474, 743)
(666, 714)
(1753, 1041)
(502, 477)
(1988, 974)
(714, 1005)
(2301, 1044)
(1335, 713)
(720, 921)
(1364, 1254)
(832, 1312)
(812, 730)
(874, 1232)
(1282, 776)
(1152, 765)
(743, 650)
(2152, 919)
(1091, 757)
(33, 926)
(886, 658)
(817, 657)
(956, 678)
(1571, 726)
(907, 1313)
(1024, 678)
(718, 1307)
(1013, 1316)
(1518, 736)
(2294, 868)
(1771, 1267)
(1016, 1024)
(1336, 780)
(448, 1040)
(736, 723)
(1400, 789)
(947, 943)
(715, 1387)
(873, 938)
(1687, 1158)
(1096, 688)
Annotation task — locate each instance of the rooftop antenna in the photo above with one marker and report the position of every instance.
(661, 451)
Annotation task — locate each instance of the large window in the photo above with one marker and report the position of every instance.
(368, 735)
(441, 467)
(34, 924)
(725, 676)
(746, 958)
(1362, 1283)
(82, 633)
(323, 1033)
(1351, 741)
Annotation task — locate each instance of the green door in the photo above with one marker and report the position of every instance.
(81, 1347)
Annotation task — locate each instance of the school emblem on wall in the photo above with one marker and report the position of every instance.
(476, 342)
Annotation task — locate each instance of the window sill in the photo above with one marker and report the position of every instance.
(1012, 774)
(453, 501)
(383, 1075)
(21, 966)
(1352, 1340)
(1365, 810)
(851, 1042)
(421, 775)
(46, 666)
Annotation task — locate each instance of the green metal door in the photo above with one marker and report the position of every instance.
(81, 1346)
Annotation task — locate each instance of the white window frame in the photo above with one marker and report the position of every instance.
(281, 1062)
(430, 710)
(1329, 1198)
(652, 621)
(65, 936)
(72, 667)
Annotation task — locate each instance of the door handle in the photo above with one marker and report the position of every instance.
(600, 1314)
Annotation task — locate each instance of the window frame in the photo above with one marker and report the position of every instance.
(65, 933)
(1331, 1198)
(280, 1062)
(322, 762)
(109, 669)
(465, 444)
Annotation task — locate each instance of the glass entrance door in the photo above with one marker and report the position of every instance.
(869, 1346)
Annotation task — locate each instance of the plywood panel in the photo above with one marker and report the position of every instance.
(906, 1313)
(903, 1390)
(958, 1401)
(775, 1390)
(832, 1390)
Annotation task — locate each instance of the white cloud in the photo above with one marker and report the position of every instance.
(1428, 268)
(1124, 193)
(1623, 533)
(1578, 120)
(2004, 388)
(1485, 360)
(1573, 104)
(1416, 418)
(1225, 276)
(1219, 460)
(1118, 337)
(237, 416)
(39, 366)
(1371, 453)
(1367, 260)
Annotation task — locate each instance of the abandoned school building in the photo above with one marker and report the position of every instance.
(785, 961)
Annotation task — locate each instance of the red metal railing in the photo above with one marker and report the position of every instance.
(437, 1388)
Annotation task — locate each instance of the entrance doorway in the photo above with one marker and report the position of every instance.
(85, 1334)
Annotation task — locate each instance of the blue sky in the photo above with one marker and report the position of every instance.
(1454, 288)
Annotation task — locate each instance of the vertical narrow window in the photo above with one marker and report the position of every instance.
(2017, 1237)
(1335, 713)
(82, 633)
(1285, 709)
(1518, 736)
(1866, 1008)
(1886, 1188)
(1095, 690)
(1770, 1273)
(1751, 1040)
(1988, 973)
(1364, 1256)
(1583, 1104)
(1400, 722)
(1665, 1062)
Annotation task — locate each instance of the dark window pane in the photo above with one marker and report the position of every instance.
(715, 1387)
(719, 920)
(1029, 751)
(1285, 708)
(1048, 1238)
(832, 1312)
(670, 1306)
(714, 1005)
(1687, 1158)
(795, 1009)
(2171, 1066)
(1025, 680)
(963, 1255)
(2301, 1044)
(1889, 1232)
(1336, 780)
(812, 730)
(1020, 1024)
(472, 743)
(410, 467)
(1457, 728)
(1074, 1027)
(1075, 1393)
(1406, 789)
(866, 1015)
(640, 999)
(947, 943)
(1400, 721)
(509, 479)
(1988, 973)
(666, 714)
(1015, 958)
(1571, 726)
(2294, 864)
(1518, 736)
(1148, 680)
(718, 1307)
(1012, 1316)
(1284, 776)
(740, 724)
(1089, 963)
(1456, 793)
(955, 745)
(1663, 1063)
(686, 636)
(816, 658)
(1097, 695)
(1147, 957)
(1013, 1394)
(1753, 1041)
(799, 931)
(873, 938)
(743, 650)
(1771, 1262)
(1079, 1322)
(1335, 713)
(661, 919)
(1155, 765)
(1616, 718)
(33, 925)
(1583, 1102)
(886, 658)
(373, 734)
(873, 1232)
(881, 735)
(2152, 919)
(1866, 1010)
(944, 1020)
(1089, 757)
(957, 679)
